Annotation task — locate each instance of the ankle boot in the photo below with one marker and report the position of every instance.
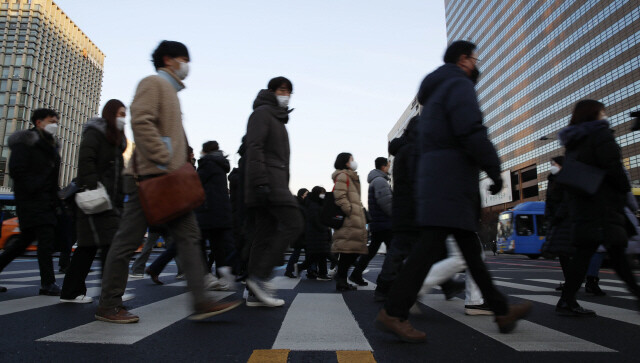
(592, 286)
(343, 285)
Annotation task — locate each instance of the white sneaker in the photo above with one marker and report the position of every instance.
(127, 297)
(180, 277)
(264, 291)
(227, 279)
(332, 272)
(136, 276)
(211, 282)
(80, 299)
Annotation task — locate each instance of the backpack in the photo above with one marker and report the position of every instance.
(332, 215)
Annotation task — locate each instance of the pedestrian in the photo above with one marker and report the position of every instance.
(293, 269)
(242, 223)
(350, 240)
(453, 147)
(278, 221)
(153, 235)
(100, 161)
(161, 147)
(380, 201)
(596, 219)
(34, 165)
(317, 237)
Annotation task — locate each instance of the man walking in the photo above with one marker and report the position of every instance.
(452, 148)
(34, 165)
(161, 147)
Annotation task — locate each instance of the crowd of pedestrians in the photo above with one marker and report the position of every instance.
(248, 217)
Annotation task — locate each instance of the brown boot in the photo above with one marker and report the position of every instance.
(117, 315)
(213, 308)
(400, 328)
(506, 323)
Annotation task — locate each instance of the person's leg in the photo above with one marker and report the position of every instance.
(363, 261)
(218, 248)
(158, 265)
(46, 236)
(576, 272)
(444, 270)
(621, 266)
(397, 252)
(141, 261)
(293, 260)
(591, 286)
(265, 229)
(321, 261)
(206, 235)
(473, 302)
(27, 237)
(74, 280)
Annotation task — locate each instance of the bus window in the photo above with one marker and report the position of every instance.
(524, 225)
(505, 228)
(542, 226)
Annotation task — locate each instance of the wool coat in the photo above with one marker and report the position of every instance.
(215, 212)
(352, 236)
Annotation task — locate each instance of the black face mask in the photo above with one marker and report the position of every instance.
(475, 74)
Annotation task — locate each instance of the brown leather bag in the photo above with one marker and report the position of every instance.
(166, 197)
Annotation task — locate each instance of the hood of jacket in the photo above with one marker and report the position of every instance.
(570, 135)
(396, 144)
(352, 174)
(215, 157)
(97, 123)
(30, 137)
(377, 173)
(268, 98)
(436, 78)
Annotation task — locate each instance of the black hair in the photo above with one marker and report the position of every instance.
(457, 49)
(168, 48)
(278, 82)
(42, 113)
(341, 161)
(301, 192)
(210, 146)
(380, 162)
(110, 113)
(317, 190)
(585, 111)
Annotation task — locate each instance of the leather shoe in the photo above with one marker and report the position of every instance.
(50, 290)
(3, 289)
(214, 308)
(358, 280)
(506, 323)
(564, 308)
(154, 277)
(400, 328)
(117, 315)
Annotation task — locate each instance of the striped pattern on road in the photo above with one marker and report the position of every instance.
(282, 356)
(603, 287)
(35, 302)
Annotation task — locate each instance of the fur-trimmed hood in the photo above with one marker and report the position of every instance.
(28, 137)
(97, 123)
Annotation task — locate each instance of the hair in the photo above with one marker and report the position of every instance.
(189, 150)
(341, 161)
(110, 113)
(42, 113)
(317, 190)
(558, 160)
(380, 162)
(457, 49)
(168, 48)
(210, 146)
(301, 192)
(585, 111)
(278, 82)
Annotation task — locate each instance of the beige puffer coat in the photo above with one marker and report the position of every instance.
(352, 237)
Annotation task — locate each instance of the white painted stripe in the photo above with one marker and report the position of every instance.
(626, 297)
(528, 336)
(501, 278)
(603, 287)
(623, 315)
(285, 283)
(37, 278)
(153, 318)
(522, 286)
(19, 272)
(11, 287)
(609, 281)
(178, 284)
(35, 302)
(300, 330)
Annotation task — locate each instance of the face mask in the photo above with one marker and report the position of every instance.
(353, 165)
(120, 122)
(554, 169)
(321, 196)
(183, 72)
(51, 129)
(283, 101)
(475, 74)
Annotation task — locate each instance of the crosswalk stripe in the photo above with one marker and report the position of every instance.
(285, 283)
(528, 336)
(606, 311)
(37, 278)
(306, 310)
(626, 297)
(11, 287)
(513, 285)
(153, 318)
(349, 356)
(371, 286)
(603, 287)
(269, 356)
(19, 272)
(35, 302)
(609, 281)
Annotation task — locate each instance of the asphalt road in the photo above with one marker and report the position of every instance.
(315, 325)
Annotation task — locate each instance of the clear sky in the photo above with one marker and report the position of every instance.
(355, 66)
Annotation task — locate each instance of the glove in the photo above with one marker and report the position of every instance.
(262, 194)
(496, 187)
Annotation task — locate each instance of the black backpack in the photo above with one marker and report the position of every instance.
(332, 215)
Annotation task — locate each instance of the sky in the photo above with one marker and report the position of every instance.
(355, 67)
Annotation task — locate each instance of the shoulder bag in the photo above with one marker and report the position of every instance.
(94, 201)
(580, 176)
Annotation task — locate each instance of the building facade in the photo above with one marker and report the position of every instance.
(47, 61)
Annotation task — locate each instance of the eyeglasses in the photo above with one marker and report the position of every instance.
(475, 59)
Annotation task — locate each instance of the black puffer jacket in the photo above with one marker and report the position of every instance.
(317, 235)
(597, 219)
(268, 152)
(556, 215)
(404, 173)
(215, 212)
(34, 165)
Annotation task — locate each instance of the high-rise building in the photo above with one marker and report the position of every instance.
(47, 61)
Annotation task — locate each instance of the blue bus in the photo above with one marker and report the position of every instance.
(522, 230)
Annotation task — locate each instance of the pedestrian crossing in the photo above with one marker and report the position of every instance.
(350, 333)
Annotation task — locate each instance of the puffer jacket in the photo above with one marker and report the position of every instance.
(352, 236)
(380, 200)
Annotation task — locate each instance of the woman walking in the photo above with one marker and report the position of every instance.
(317, 237)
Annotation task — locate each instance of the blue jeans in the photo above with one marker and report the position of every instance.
(596, 262)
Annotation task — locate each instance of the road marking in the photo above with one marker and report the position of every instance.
(19, 272)
(369, 287)
(605, 311)
(35, 302)
(612, 281)
(528, 336)
(269, 356)
(501, 278)
(11, 287)
(626, 297)
(350, 356)
(522, 286)
(285, 283)
(153, 318)
(603, 287)
(37, 278)
(306, 311)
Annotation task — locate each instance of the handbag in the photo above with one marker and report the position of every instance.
(94, 201)
(332, 215)
(580, 176)
(168, 196)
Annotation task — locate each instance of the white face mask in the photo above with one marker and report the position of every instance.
(183, 72)
(321, 196)
(353, 165)
(283, 101)
(51, 129)
(554, 169)
(120, 122)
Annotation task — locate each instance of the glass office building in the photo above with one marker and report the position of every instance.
(46, 61)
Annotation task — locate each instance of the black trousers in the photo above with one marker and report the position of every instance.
(220, 240)
(577, 270)
(315, 259)
(376, 241)
(425, 253)
(45, 235)
(79, 267)
(344, 262)
(400, 248)
(158, 265)
(277, 227)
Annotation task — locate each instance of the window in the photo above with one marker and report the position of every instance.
(524, 225)
(541, 225)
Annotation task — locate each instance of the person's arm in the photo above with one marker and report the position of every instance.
(256, 138)
(384, 196)
(340, 194)
(88, 160)
(19, 168)
(608, 157)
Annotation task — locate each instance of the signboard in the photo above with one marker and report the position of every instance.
(505, 195)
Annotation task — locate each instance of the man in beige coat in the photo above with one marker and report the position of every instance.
(161, 147)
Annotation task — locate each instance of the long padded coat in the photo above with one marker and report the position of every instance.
(352, 236)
